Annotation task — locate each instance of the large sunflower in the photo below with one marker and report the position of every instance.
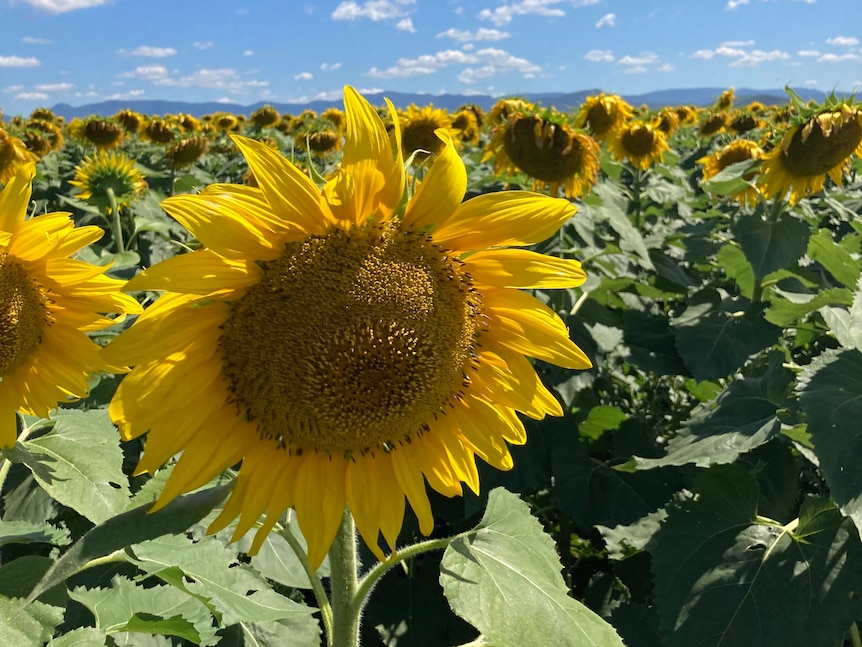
(808, 152)
(48, 302)
(105, 170)
(346, 345)
(13, 155)
(740, 150)
(640, 143)
(604, 115)
(419, 127)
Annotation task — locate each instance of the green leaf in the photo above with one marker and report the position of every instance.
(731, 259)
(714, 341)
(601, 419)
(721, 578)
(504, 579)
(299, 631)
(81, 637)
(838, 260)
(210, 572)
(730, 180)
(25, 532)
(19, 576)
(787, 308)
(80, 464)
(23, 624)
(651, 343)
(830, 393)
(612, 211)
(742, 417)
(771, 246)
(128, 528)
(155, 610)
(846, 325)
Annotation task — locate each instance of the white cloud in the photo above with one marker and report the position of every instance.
(810, 83)
(248, 52)
(53, 87)
(847, 41)
(203, 45)
(488, 62)
(808, 52)
(13, 88)
(599, 56)
(742, 57)
(34, 40)
(125, 96)
(62, 6)
(226, 100)
(704, 54)
(225, 78)
(758, 56)
(19, 61)
(733, 4)
(636, 69)
(147, 73)
(503, 14)
(32, 96)
(406, 24)
(330, 67)
(839, 58)
(375, 10)
(608, 20)
(465, 36)
(644, 59)
(666, 67)
(149, 52)
(303, 76)
(736, 43)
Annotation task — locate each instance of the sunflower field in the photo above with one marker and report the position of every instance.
(248, 364)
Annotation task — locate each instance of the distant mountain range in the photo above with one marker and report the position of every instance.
(560, 100)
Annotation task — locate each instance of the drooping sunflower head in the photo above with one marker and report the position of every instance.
(725, 101)
(545, 148)
(318, 137)
(501, 110)
(419, 127)
(667, 121)
(47, 303)
(743, 122)
(603, 115)
(188, 123)
(686, 114)
(108, 175)
(159, 130)
(713, 124)
(640, 143)
(334, 116)
(265, 117)
(44, 114)
(348, 344)
(13, 154)
(465, 122)
(47, 129)
(741, 150)
(818, 147)
(187, 151)
(99, 131)
(130, 120)
(225, 122)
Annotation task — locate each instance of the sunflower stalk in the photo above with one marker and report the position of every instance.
(346, 604)
(116, 225)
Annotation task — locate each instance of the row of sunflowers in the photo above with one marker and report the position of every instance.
(290, 316)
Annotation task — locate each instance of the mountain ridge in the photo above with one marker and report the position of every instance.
(564, 101)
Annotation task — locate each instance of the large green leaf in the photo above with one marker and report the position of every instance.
(742, 417)
(787, 308)
(82, 637)
(504, 579)
(209, 571)
(731, 259)
(841, 260)
(846, 325)
(715, 337)
(769, 245)
(128, 528)
(25, 532)
(723, 579)
(80, 464)
(830, 391)
(127, 607)
(23, 624)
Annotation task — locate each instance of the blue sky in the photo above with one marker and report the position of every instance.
(85, 51)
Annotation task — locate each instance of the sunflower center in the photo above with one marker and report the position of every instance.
(822, 144)
(22, 314)
(352, 341)
(544, 150)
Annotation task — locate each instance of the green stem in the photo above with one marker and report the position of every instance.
(855, 639)
(6, 464)
(636, 195)
(346, 604)
(116, 225)
(316, 584)
(776, 210)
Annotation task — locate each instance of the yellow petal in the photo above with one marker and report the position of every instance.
(485, 441)
(250, 203)
(8, 417)
(363, 491)
(37, 237)
(201, 272)
(521, 268)
(320, 502)
(441, 191)
(412, 483)
(502, 219)
(15, 198)
(214, 223)
(290, 192)
(496, 382)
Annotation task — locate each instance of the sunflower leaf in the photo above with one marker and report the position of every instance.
(504, 579)
(771, 246)
(79, 463)
(24, 624)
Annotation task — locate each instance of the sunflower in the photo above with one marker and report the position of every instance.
(667, 121)
(13, 155)
(130, 120)
(466, 123)
(335, 116)
(713, 124)
(808, 152)
(725, 100)
(188, 123)
(103, 133)
(319, 139)
(740, 150)
(48, 302)
(108, 171)
(501, 110)
(639, 142)
(686, 114)
(158, 130)
(603, 115)
(744, 122)
(187, 151)
(45, 114)
(49, 130)
(346, 345)
(265, 117)
(419, 127)
(552, 153)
